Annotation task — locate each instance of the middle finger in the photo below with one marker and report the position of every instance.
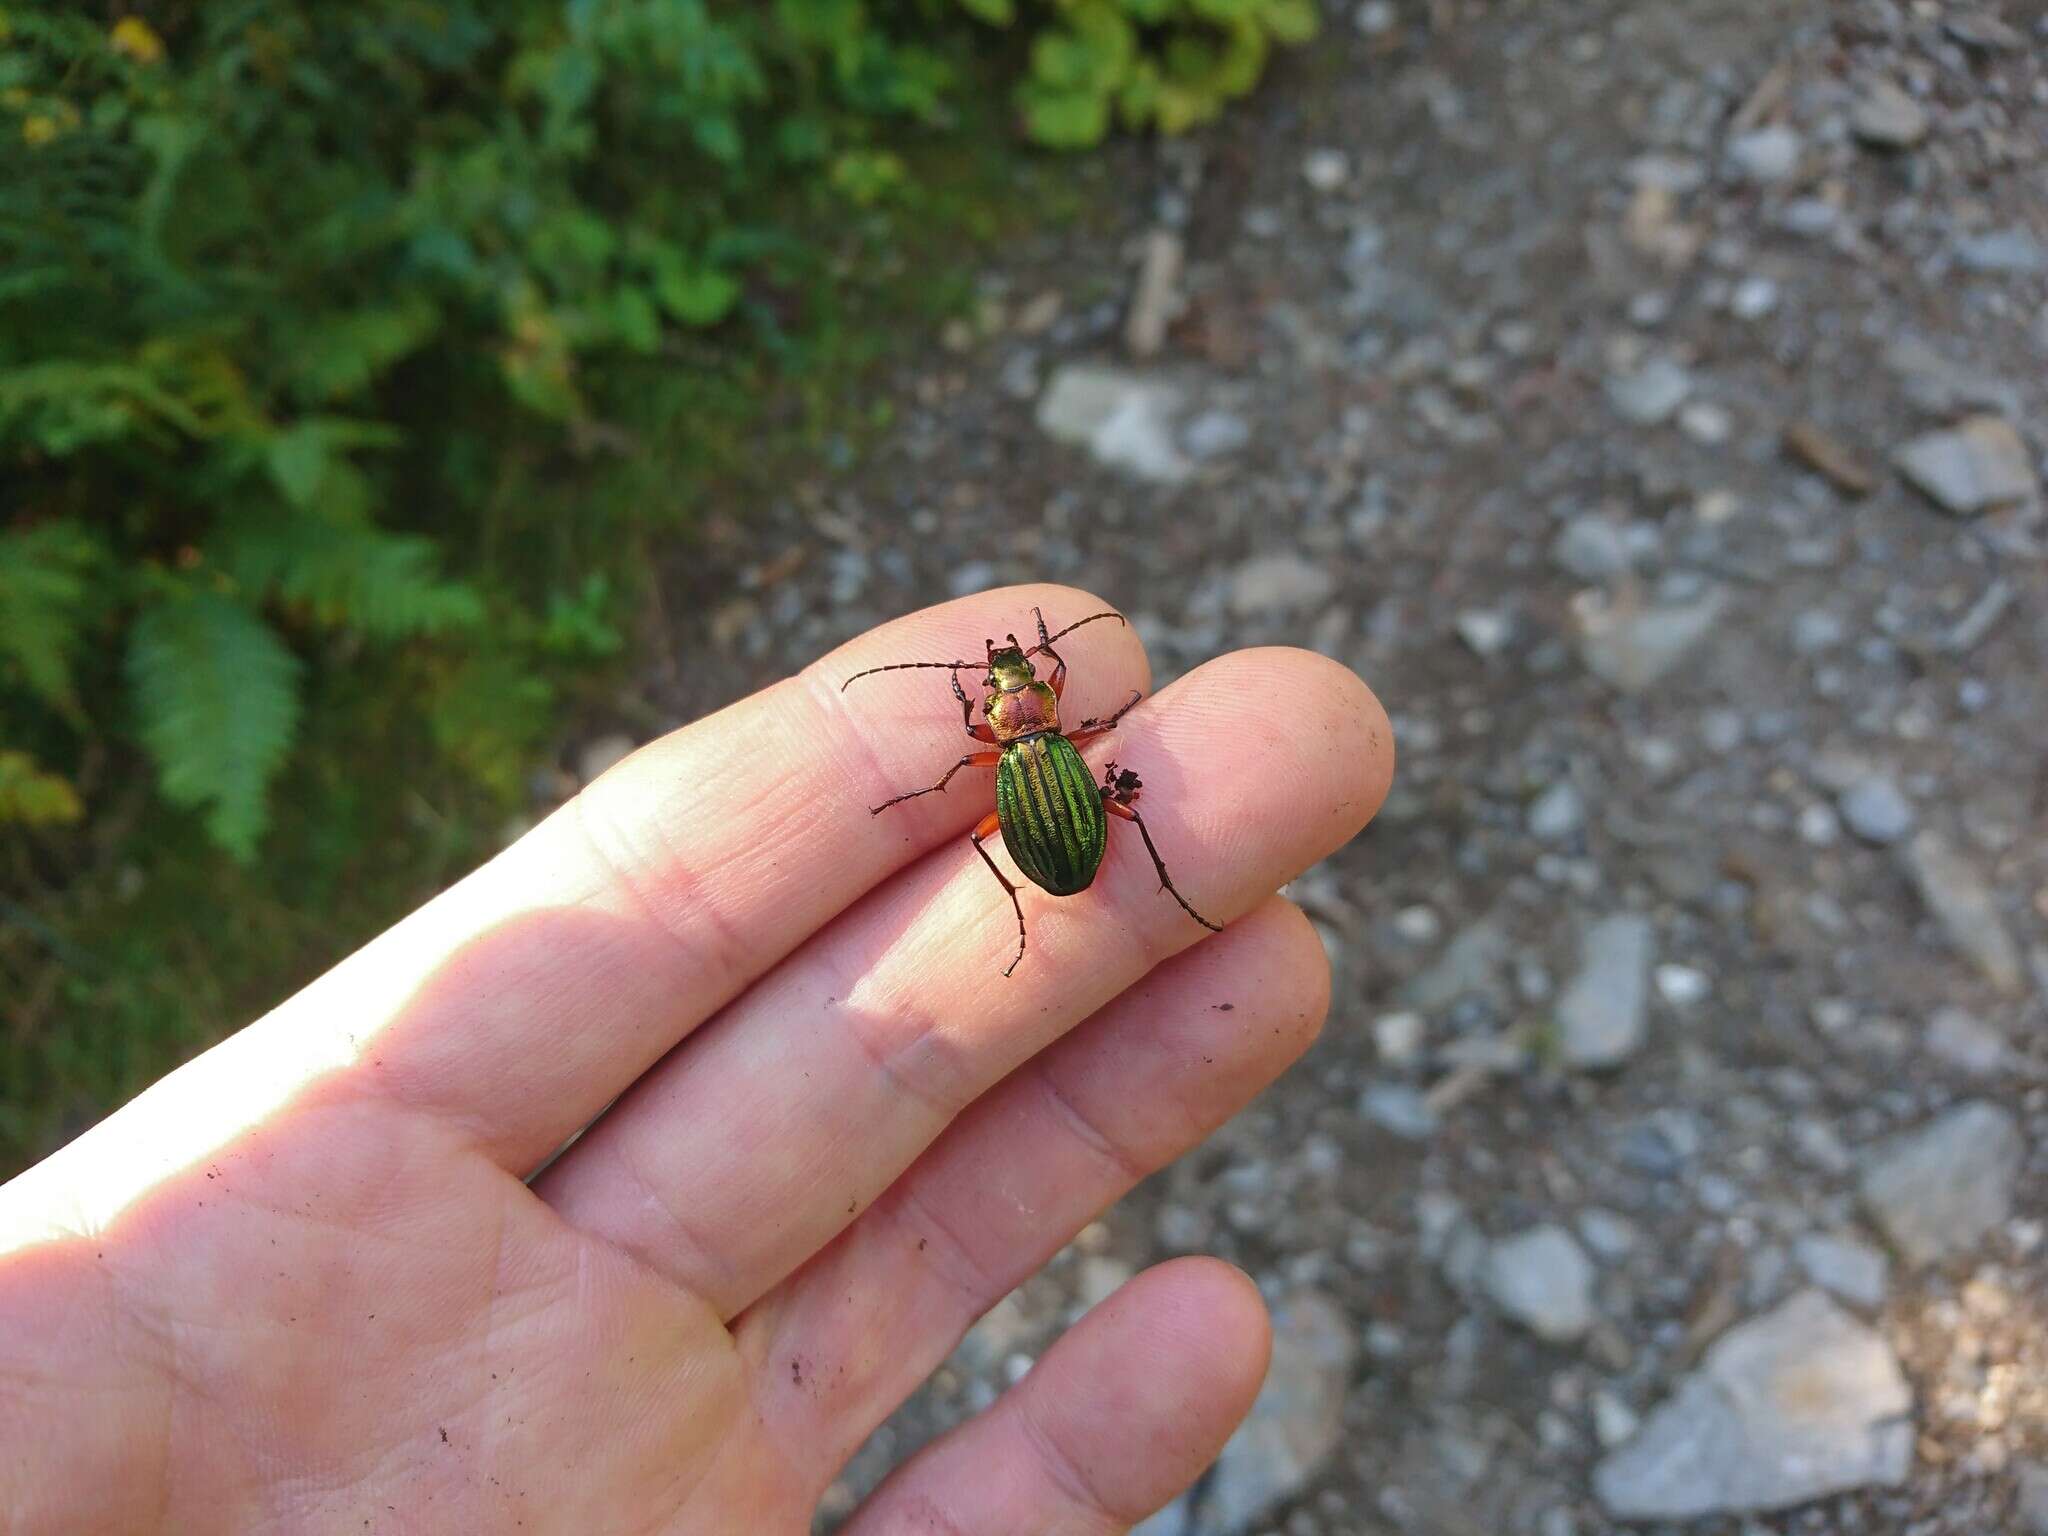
(754, 1143)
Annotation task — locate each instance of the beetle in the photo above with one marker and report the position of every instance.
(1053, 816)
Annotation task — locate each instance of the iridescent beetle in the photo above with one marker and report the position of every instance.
(1053, 816)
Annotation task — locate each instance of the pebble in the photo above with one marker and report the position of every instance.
(1294, 1425)
(1602, 1010)
(1399, 1109)
(1276, 584)
(1753, 298)
(1768, 154)
(1591, 547)
(1613, 1420)
(1609, 1235)
(1955, 894)
(1215, 434)
(1399, 1037)
(2009, 252)
(1543, 1280)
(1470, 963)
(1124, 419)
(1852, 1270)
(1156, 299)
(1876, 810)
(1801, 1402)
(1819, 826)
(1485, 630)
(1705, 422)
(1964, 1041)
(1978, 464)
(1633, 648)
(1681, 985)
(1325, 170)
(1885, 117)
(1418, 924)
(1938, 1190)
(1651, 394)
(1557, 813)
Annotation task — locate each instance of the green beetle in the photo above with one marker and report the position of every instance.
(1053, 816)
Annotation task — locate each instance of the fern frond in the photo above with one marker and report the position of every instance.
(216, 697)
(386, 586)
(44, 594)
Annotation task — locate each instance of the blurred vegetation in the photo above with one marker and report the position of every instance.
(354, 359)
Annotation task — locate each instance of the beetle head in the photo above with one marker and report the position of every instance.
(1008, 667)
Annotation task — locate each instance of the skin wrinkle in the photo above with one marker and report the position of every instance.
(1065, 1471)
(710, 1261)
(1119, 1158)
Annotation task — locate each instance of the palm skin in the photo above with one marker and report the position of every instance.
(313, 1282)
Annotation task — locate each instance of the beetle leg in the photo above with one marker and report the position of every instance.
(979, 732)
(971, 760)
(989, 824)
(1115, 802)
(1088, 730)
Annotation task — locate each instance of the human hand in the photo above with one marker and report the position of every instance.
(304, 1283)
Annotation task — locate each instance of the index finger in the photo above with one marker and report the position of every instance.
(523, 999)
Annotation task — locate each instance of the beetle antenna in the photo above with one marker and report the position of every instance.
(1112, 614)
(904, 666)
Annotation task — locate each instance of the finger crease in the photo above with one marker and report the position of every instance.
(1084, 1129)
(977, 1285)
(677, 1233)
(1065, 1472)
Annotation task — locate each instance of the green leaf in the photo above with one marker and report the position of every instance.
(1291, 21)
(1066, 119)
(216, 699)
(385, 586)
(695, 294)
(997, 13)
(44, 593)
(32, 796)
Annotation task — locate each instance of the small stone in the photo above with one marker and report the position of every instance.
(1876, 810)
(1955, 894)
(1124, 420)
(1325, 170)
(1681, 985)
(1418, 924)
(1852, 1270)
(1610, 1236)
(1632, 648)
(1819, 826)
(1753, 298)
(1486, 631)
(1887, 118)
(2009, 252)
(1799, 1403)
(602, 753)
(1809, 217)
(1400, 1110)
(1182, 1228)
(1101, 1277)
(1650, 394)
(1591, 547)
(1601, 1013)
(1768, 154)
(1215, 434)
(1970, 468)
(1295, 1423)
(1705, 422)
(1277, 584)
(1937, 1190)
(1613, 1420)
(1965, 1042)
(1398, 1037)
(1543, 1280)
(1376, 17)
(1470, 963)
(1981, 29)
(1557, 813)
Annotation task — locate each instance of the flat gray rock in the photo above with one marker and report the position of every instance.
(1294, 1424)
(1956, 896)
(1852, 1270)
(1124, 419)
(1978, 464)
(1633, 649)
(1937, 1190)
(1794, 1405)
(1543, 1280)
(1885, 116)
(1602, 1010)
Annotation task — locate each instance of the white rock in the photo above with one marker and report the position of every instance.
(1215, 434)
(1613, 1420)
(1591, 547)
(1794, 1405)
(1887, 117)
(1877, 810)
(1853, 1270)
(1706, 422)
(1651, 394)
(1753, 298)
(1600, 1014)
(1325, 170)
(1486, 630)
(1282, 583)
(1543, 1280)
(1557, 813)
(1398, 1037)
(1766, 154)
(1681, 985)
(1631, 649)
(1124, 419)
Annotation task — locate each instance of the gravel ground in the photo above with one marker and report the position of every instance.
(1649, 400)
